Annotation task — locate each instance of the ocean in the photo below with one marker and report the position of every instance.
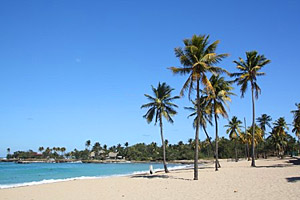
(16, 175)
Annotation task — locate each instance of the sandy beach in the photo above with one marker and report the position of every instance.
(271, 179)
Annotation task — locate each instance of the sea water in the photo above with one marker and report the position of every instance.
(15, 175)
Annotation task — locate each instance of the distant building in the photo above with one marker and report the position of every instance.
(100, 153)
(92, 154)
(112, 155)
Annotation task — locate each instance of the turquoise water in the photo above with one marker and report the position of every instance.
(14, 175)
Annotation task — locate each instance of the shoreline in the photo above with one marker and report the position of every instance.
(49, 181)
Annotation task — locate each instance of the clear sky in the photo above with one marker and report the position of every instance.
(77, 70)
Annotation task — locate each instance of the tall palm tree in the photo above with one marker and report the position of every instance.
(205, 117)
(264, 121)
(234, 131)
(198, 58)
(217, 100)
(249, 70)
(296, 121)
(8, 150)
(161, 106)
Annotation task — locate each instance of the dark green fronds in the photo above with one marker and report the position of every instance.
(249, 70)
(161, 104)
(197, 58)
(296, 121)
(234, 128)
(219, 96)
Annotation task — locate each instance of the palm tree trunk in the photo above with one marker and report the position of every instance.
(246, 152)
(163, 143)
(217, 138)
(253, 128)
(236, 155)
(212, 146)
(196, 156)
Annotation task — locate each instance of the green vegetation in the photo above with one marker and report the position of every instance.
(296, 122)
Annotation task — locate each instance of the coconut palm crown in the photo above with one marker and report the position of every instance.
(264, 121)
(160, 104)
(205, 116)
(198, 57)
(296, 121)
(234, 128)
(249, 70)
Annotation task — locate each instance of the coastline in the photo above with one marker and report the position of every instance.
(271, 179)
(48, 181)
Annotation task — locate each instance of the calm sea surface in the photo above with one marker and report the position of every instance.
(14, 175)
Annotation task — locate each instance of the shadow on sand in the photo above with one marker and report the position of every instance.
(289, 163)
(293, 179)
(157, 176)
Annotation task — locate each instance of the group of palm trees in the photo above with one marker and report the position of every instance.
(48, 150)
(199, 60)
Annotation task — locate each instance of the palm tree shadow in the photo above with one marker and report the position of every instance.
(149, 176)
(289, 163)
(158, 176)
(274, 166)
(295, 161)
(293, 179)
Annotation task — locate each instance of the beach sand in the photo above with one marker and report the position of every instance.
(271, 179)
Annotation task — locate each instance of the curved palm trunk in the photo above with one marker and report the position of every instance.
(196, 155)
(253, 127)
(163, 143)
(212, 146)
(217, 137)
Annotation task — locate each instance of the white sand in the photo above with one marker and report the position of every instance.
(272, 179)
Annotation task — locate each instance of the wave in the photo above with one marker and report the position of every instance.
(47, 181)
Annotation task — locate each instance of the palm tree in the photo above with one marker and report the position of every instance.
(258, 135)
(41, 149)
(88, 144)
(279, 135)
(204, 117)
(217, 98)
(245, 138)
(8, 150)
(63, 149)
(249, 70)
(198, 58)
(264, 121)
(161, 106)
(234, 131)
(296, 121)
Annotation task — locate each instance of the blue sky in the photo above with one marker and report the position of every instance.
(77, 70)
